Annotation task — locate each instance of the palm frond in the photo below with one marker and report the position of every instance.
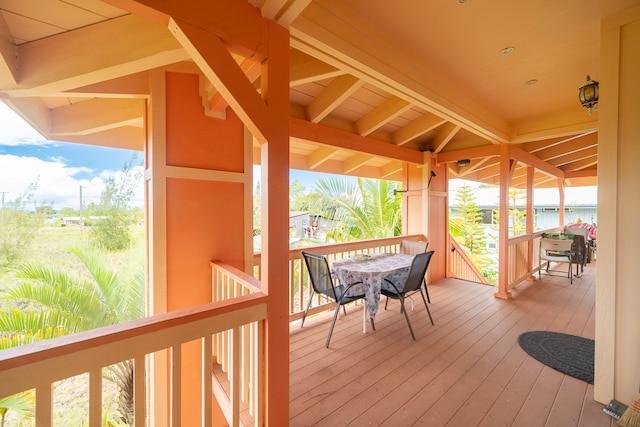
(34, 326)
(23, 404)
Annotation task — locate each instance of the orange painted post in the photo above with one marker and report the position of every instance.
(529, 214)
(275, 224)
(503, 229)
(561, 219)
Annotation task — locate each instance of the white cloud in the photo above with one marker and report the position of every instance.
(55, 181)
(15, 131)
(57, 184)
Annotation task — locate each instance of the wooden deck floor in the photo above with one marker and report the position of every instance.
(467, 370)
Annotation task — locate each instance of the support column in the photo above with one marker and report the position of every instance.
(529, 216)
(503, 227)
(561, 219)
(617, 372)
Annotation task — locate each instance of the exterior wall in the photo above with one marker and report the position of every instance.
(438, 222)
(617, 293)
(196, 187)
(412, 200)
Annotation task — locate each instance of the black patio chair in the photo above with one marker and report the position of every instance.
(411, 284)
(413, 247)
(322, 283)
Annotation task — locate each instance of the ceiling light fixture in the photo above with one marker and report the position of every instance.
(463, 163)
(588, 94)
(507, 50)
(532, 81)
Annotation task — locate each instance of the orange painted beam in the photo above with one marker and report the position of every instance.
(308, 131)
(217, 64)
(251, 69)
(468, 153)
(503, 226)
(519, 154)
(239, 24)
(585, 173)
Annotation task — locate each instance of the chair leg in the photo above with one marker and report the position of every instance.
(304, 316)
(427, 307)
(406, 316)
(386, 302)
(373, 325)
(424, 283)
(335, 316)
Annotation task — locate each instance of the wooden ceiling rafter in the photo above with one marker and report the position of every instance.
(87, 117)
(333, 95)
(321, 155)
(356, 161)
(120, 47)
(416, 128)
(380, 115)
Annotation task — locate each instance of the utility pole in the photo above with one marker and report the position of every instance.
(81, 219)
(3, 193)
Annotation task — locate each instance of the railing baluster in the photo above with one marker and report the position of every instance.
(246, 361)
(95, 397)
(207, 379)
(176, 385)
(44, 405)
(234, 369)
(139, 395)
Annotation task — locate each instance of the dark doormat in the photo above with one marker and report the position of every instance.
(569, 354)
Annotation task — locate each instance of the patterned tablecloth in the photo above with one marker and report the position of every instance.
(372, 273)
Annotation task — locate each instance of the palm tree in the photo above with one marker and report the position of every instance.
(361, 209)
(60, 303)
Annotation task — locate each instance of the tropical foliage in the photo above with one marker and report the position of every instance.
(359, 209)
(55, 302)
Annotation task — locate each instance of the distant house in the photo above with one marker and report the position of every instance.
(306, 224)
(76, 220)
(70, 220)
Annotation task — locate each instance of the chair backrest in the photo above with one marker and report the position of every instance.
(417, 271)
(413, 247)
(555, 245)
(579, 248)
(320, 274)
(579, 231)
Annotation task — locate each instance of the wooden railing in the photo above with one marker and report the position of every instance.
(244, 350)
(523, 256)
(460, 266)
(299, 285)
(37, 366)
(230, 330)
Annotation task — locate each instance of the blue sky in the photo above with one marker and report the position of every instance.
(58, 168)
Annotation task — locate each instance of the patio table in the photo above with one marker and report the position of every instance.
(371, 272)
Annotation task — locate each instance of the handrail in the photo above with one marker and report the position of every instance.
(243, 352)
(522, 256)
(38, 365)
(461, 266)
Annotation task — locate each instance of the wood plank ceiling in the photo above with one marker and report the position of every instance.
(418, 77)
